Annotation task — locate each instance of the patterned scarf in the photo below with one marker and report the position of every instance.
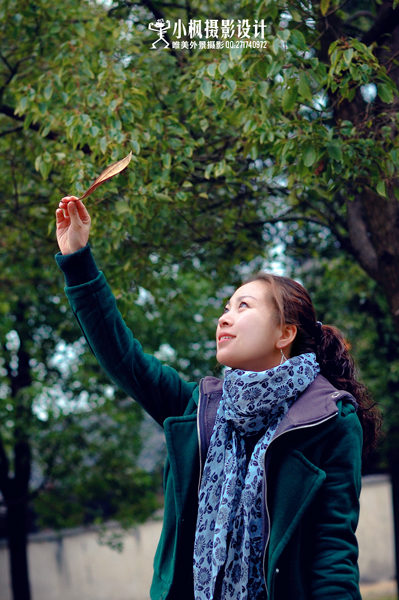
(228, 539)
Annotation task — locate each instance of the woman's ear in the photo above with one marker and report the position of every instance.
(287, 336)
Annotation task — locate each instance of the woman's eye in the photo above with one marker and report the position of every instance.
(243, 304)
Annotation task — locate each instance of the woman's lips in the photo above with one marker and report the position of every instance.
(225, 337)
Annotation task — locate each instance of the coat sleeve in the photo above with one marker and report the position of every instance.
(334, 568)
(158, 388)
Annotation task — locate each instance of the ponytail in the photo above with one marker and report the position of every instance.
(337, 365)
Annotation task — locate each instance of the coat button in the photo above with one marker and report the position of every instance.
(277, 571)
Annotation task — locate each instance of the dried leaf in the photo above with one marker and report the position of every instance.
(109, 172)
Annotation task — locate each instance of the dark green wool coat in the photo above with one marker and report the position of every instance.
(312, 464)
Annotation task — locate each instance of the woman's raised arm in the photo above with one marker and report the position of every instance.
(158, 388)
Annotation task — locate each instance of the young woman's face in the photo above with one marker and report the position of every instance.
(248, 336)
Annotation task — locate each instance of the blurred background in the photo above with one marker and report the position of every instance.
(264, 135)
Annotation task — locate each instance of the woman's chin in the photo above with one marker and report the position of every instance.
(225, 361)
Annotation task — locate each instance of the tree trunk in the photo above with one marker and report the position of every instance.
(16, 494)
(17, 545)
(15, 489)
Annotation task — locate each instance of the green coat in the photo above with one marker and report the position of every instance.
(312, 464)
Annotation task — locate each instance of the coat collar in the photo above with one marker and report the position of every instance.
(317, 403)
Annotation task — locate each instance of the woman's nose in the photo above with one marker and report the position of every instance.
(225, 319)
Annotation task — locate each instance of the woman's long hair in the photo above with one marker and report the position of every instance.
(294, 307)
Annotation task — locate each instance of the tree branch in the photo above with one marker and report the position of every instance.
(10, 112)
(3, 133)
(363, 249)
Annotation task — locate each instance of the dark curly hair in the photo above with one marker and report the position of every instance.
(294, 307)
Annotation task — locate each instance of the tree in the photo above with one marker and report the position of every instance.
(231, 150)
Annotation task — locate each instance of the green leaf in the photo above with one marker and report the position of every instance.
(219, 168)
(334, 151)
(381, 189)
(226, 94)
(219, 102)
(298, 39)
(206, 87)
(163, 197)
(208, 170)
(254, 153)
(103, 144)
(22, 106)
(348, 54)
(48, 91)
(262, 68)
(385, 92)
(297, 16)
(211, 69)
(324, 5)
(231, 84)
(284, 35)
(167, 160)
(263, 88)
(42, 106)
(223, 67)
(309, 155)
(46, 130)
(122, 207)
(276, 46)
(45, 168)
(304, 87)
(80, 30)
(289, 98)
(235, 53)
(136, 146)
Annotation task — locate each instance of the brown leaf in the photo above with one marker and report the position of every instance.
(109, 172)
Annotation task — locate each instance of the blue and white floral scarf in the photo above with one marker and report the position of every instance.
(229, 524)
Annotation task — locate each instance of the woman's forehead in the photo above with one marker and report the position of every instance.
(257, 289)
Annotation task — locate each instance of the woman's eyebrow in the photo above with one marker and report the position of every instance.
(242, 298)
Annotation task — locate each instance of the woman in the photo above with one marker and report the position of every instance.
(262, 478)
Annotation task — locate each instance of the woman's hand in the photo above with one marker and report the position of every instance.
(73, 225)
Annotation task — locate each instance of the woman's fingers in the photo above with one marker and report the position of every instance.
(74, 214)
(61, 217)
(82, 211)
(71, 202)
(67, 199)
